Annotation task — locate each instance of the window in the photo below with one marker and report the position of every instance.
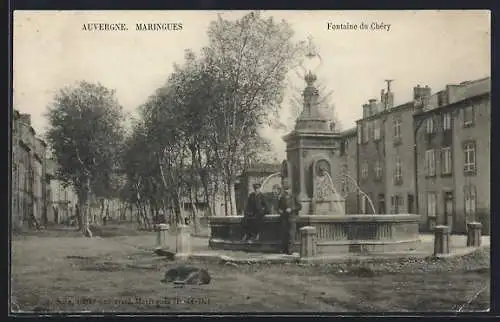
(364, 170)
(429, 123)
(366, 132)
(396, 204)
(470, 157)
(468, 116)
(378, 170)
(470, 202)
(376, 130)
(431, 204)
(446, 160)
(447, 121)
(430, 163)
(397, 129)
(360, 134)
(398, 174)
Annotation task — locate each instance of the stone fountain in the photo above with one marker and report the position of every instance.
(312, 159)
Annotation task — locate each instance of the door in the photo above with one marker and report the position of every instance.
(448, 210)
(381, 204)
(410, 204)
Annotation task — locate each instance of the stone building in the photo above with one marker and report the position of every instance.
(385, 156)
(28, 197)
(453, 179)
(61, 200)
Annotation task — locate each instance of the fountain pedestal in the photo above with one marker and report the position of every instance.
(334, 205)
(334, 234)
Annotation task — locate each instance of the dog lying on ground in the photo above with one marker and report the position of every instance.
(186, 275)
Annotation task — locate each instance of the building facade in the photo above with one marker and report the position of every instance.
(385, 156)
(422, 156)
(27, 173)
(36, 196)
(60, 199)
(453, 156)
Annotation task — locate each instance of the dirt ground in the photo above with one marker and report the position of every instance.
(59, 272)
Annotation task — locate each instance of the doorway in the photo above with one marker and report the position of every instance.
(410, 203)
(381, 204)
(448, 210)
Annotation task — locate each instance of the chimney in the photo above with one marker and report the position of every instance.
(25, 118)
(422, 94)
(366, 111)
(388, 97)
(373, 106)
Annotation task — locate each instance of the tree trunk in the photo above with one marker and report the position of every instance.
(195, 215)
(138, 214)
(152, 211)
(232, 198)
(102, 210)
(86, 210)
(145, 216)
(226, 198)
(79, 214)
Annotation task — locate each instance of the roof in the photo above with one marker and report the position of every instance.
(398, 108)
(459, 93)
(468, 89)
(349, 132)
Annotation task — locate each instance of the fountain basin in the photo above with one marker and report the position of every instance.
(335, 233)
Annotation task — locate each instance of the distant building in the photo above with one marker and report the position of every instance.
(61, 199)
(453, 156)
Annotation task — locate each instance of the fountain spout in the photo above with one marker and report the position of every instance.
(339, 207)
(268, 178)
(360, 190)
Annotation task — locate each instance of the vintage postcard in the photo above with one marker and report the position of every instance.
(250, 161)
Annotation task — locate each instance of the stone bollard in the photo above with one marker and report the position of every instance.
(161, 235)
(474, 234)
(441, 240)
(307, 241)
(183, 242)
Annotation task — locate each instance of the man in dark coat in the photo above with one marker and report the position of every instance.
(288, 208)
(255, 211)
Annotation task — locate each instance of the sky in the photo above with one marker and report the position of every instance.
(435, 48)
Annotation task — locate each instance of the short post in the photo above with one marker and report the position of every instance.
(441, 240)
(307, 241)
(183, 242)
(474, 234)
(161, 235)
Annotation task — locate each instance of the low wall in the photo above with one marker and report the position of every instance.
(335, 234)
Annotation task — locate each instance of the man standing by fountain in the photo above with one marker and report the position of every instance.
(255, 211)
(288, 208)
